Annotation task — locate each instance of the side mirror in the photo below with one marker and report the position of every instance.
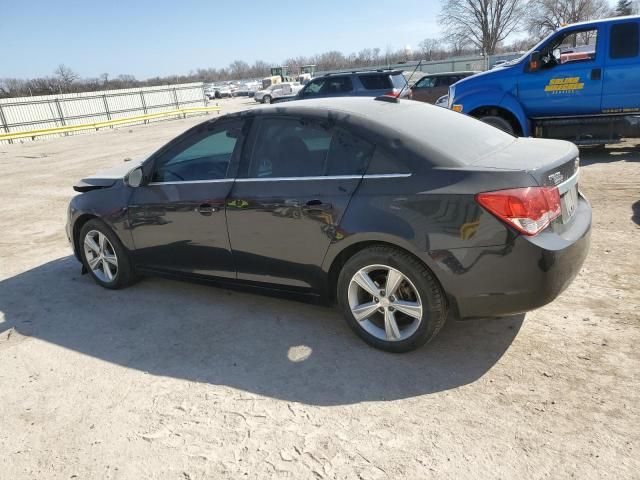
(534, 61)
(135, 177)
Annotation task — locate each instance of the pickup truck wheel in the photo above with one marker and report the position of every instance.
(498, 122)
(266, 99)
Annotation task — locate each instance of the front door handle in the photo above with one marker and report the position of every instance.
(596, 74)
(206, 209)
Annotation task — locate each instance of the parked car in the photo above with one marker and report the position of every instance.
(581, 83)
(399, 211)
(212, 92)
(368, 83)
(225, 91)
(443, 101)
(434, 85)
(276, 91)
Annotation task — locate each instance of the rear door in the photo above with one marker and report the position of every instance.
(569, 81)
(292, 190)
(621, 76)
(178, 220)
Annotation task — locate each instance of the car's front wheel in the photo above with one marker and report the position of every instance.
(104, 256)
(266, 99)
(390, 299)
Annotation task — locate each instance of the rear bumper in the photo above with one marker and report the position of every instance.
(521, 276)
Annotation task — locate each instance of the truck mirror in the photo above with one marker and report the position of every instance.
(534, 61)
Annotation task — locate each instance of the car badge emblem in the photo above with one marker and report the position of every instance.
(556, 178)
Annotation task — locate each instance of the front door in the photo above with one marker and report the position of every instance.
(178, 220)
(292, 190)
(569, 81)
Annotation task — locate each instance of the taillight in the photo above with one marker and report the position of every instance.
(393, 93)
(529, 210)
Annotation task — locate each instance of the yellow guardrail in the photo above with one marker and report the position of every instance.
(106, 123)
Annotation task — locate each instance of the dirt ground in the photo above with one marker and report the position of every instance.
(173, 380)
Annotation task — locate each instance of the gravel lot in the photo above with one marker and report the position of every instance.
(181, 381)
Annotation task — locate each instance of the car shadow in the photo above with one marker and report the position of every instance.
(624, 152)
(268, 346)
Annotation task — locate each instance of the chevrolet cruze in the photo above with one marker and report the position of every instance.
(398, 211)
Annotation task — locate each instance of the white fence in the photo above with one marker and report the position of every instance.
(50, 111)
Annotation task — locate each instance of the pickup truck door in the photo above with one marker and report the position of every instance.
(569, 81)
(621, 78)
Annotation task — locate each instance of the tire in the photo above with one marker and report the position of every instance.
(266, 99)
(121, 274)
(498, 122)
(417, 289)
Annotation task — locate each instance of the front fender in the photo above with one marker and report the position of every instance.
(474, 100)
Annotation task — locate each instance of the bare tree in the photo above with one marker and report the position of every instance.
(482, 23)
(547, 15)
(429, 48)
(65, 77)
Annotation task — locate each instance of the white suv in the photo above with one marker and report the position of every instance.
(277, 90)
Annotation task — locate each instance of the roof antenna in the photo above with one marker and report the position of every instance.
(410, 77)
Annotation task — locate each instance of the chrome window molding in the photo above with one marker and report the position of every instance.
(279, 179)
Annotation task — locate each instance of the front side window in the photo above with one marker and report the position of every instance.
(427, 82)
(293, 147)
(204, 155)
(625, 40)
(315, 87)
(574, 46)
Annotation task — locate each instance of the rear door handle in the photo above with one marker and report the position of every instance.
(596, 74)
(206, 209)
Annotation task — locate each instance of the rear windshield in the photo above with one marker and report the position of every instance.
(377, 81)
(399, 81)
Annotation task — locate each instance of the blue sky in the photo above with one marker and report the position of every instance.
(147, 38)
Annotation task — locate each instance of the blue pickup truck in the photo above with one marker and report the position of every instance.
(581, 83)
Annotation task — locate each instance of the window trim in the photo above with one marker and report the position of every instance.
(329, 177)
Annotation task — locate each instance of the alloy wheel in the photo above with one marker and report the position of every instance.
(385, 303)
(101, 256)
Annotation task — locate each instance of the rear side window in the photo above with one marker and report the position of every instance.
(339, 85)
(625, 40)
(385, 163)
(293, 147)
(349, 155)
(376, 82)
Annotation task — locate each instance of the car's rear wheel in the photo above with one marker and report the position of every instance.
(498, 122)
(104, 256)
(390, 299)
(266, 99)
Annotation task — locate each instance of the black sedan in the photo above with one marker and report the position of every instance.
(398, 211)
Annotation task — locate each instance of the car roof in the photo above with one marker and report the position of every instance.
(446, 74)
(588, 23)
(364, 72)
(445, 137)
